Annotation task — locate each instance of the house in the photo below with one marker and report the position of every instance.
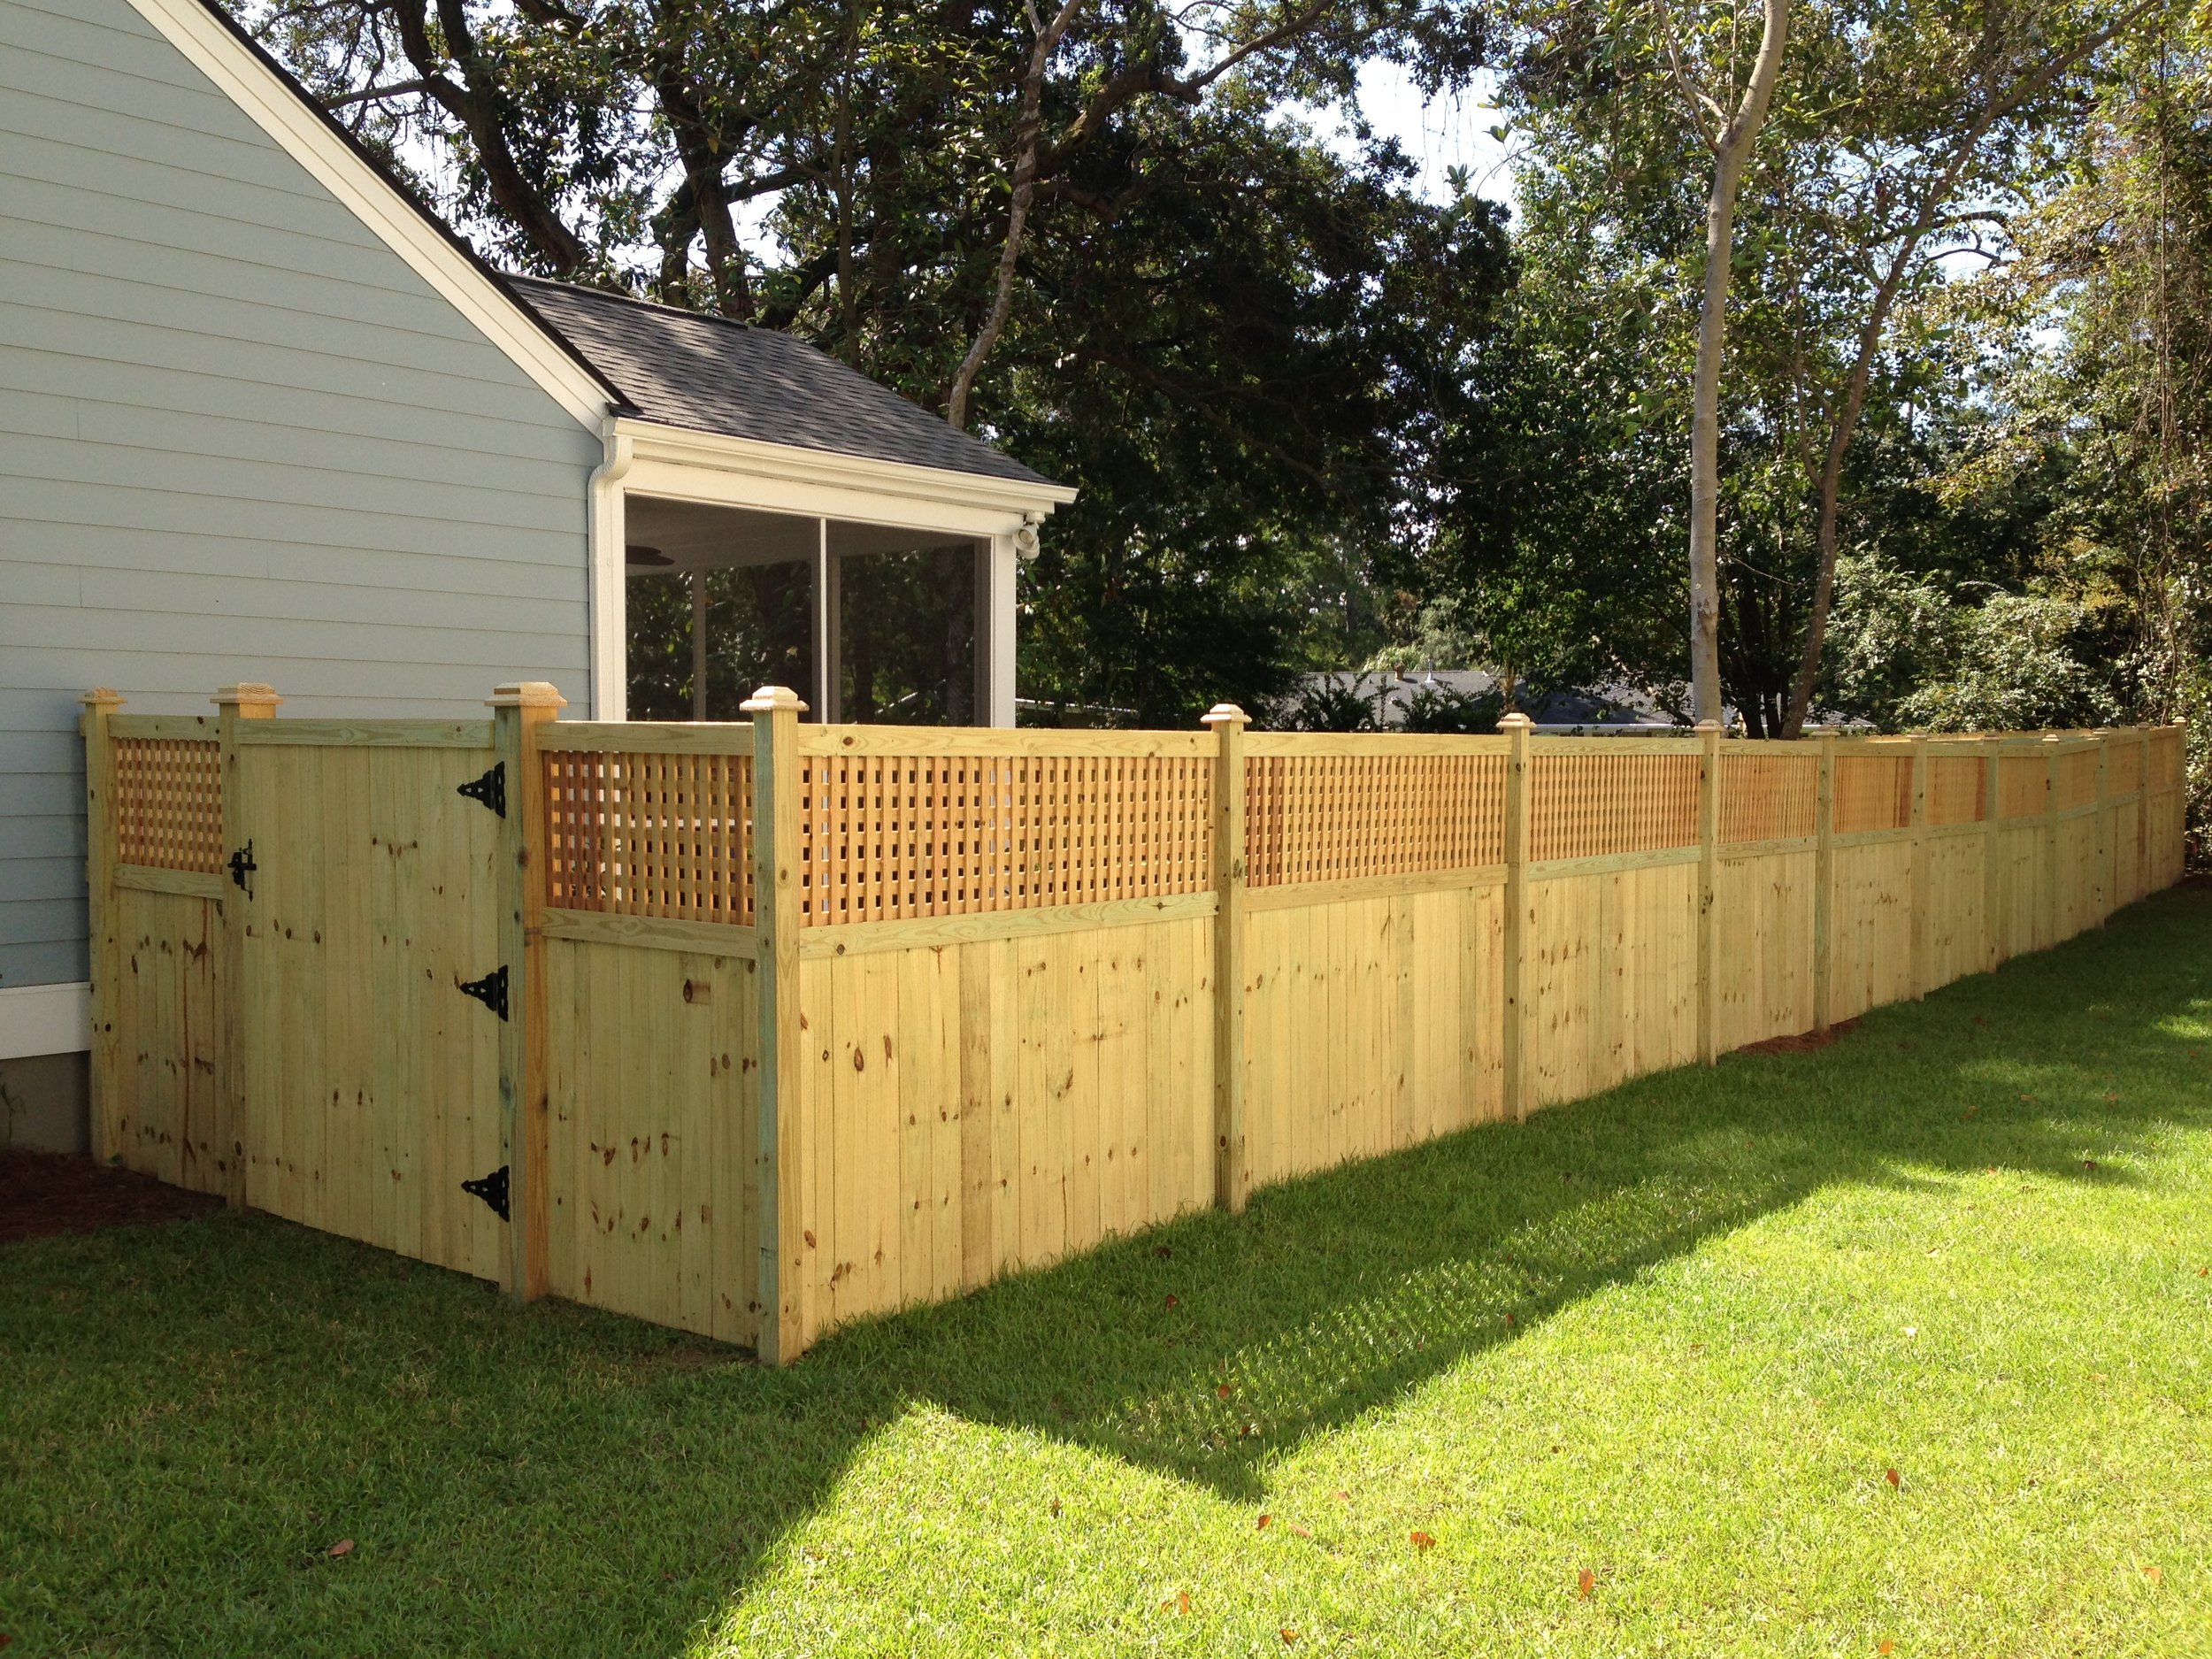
(267, 419)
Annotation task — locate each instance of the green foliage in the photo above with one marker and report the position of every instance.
(1911, 655)
(1330, 705)
(1444, 709)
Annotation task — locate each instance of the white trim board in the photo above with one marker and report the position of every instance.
(37, 1019)
(826, 483)
(278, 109)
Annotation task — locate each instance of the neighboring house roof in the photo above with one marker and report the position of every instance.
(596, 354)
(709, 374)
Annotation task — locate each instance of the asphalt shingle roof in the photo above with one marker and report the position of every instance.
(711, 375)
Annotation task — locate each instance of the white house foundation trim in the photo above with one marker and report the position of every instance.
(37, 1019)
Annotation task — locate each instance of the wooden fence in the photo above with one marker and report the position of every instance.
(758, 1029)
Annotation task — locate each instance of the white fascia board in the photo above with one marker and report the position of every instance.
(37, 1019)
(279, 112)
(688, 465)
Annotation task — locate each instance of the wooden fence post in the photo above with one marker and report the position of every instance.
(519, 709)
(2051, 911)
(1709, 892)
(246, 701)
(776, 710)
(1825, 880)
(1993, 850)
(2142, 812)
(1232, 1168)
(1918, 944)
(1514, 726)
(106, 952)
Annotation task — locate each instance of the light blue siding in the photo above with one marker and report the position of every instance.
(240, 438)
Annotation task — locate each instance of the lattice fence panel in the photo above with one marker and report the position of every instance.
(2020, 786)
(2077, 778)
(666, 835)
(1873, 792)
(1583, 805)
(885, 837)
(1340, 818)
(1957, 789)
(169, 802)
(1769, 797)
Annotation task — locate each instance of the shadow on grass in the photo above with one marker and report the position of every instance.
(236, 1392)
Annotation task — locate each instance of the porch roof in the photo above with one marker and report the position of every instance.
(709, 374)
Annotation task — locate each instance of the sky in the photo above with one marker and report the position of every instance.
(1454, 130)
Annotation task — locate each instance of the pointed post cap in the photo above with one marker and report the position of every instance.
(772, 700)
(102, 698)
(1225, 714)
(526, 694)
(1515, 721)
(247, 694)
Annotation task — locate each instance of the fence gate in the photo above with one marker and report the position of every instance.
(371, 987)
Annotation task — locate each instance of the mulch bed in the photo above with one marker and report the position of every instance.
(43, 1194)
(1804, 1042)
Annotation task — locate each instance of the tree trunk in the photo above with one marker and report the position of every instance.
(1027, 132)
(1730, 151)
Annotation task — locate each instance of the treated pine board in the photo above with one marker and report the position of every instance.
(644, 737)
(650, 932)
(1086, 1117)
(1001, 998)
(1192, 1070)
(818, 1124)
(1040, 1182)
(1349, 745)
(191, 884)
(166, 727)
(356, 735)
(986, 740)
(916, 1022)
(857, 1154)
(373, 1130)
(978, 1184)
(853, 939)
(938, 1040)
(695, 1158)
(564, 1040)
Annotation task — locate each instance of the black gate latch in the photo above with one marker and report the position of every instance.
(490, 789)
(491, 990)
(242, 866)
(492, 1189)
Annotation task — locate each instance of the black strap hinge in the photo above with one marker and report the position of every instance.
(492, 1189)
(491, 990)
(242, 869)
(490, 789)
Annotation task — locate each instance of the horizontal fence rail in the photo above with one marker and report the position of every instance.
(759, 1028)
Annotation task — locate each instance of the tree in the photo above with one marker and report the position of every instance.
(1900, 146)
(1105, 236)
(1729, 136)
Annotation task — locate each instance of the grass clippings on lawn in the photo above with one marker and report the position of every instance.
(1904, 1341)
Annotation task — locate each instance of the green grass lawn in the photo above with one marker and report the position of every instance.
(1674, 1338)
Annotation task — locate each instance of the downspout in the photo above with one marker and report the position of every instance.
(609, 609)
